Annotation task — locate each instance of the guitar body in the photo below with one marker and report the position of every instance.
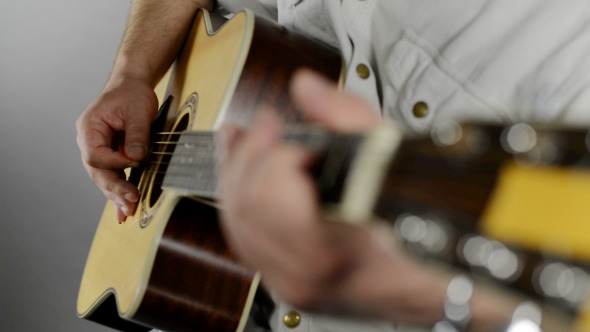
(168, 266)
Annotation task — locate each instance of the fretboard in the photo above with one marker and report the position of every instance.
(193, 166)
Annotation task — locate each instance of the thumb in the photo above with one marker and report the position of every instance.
(137, 129)
(322, 102)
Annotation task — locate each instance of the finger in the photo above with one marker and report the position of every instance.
(119, 214)
(266, 133)
(259, 223)
(226, 139)
(95, 146)
(137, 130)
(123, 208)
(246, 152)
(321, 102)
(114, 183)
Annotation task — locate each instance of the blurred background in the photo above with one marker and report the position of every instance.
(55, 57)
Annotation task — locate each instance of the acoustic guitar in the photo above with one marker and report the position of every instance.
(168, 266)
(509, 205)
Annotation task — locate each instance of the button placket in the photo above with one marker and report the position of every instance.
(361, 78)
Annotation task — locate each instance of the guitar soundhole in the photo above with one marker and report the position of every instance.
(166, 155)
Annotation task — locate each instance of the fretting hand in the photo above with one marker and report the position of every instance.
(272, 220)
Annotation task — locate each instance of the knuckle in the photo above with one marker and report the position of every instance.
(136, 128)
(109, 186)
(301, 295)
(136, 131)
(93, 177)
(82, 120)
(84, 156)
(108, 195)
(92, 160)
(79, 124)
(329, 267)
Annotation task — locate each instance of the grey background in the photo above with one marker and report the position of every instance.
(55, 57)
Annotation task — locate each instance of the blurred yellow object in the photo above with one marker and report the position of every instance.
(583, 323)
(545, 209)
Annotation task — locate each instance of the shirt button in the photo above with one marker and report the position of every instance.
(420, 109)
(363, 71)
(292, 319)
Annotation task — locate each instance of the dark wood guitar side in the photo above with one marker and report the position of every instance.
(168, 266)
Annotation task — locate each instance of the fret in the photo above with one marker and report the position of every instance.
(193, 166)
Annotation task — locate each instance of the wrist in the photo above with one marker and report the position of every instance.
(417, 294)
(490, 309)
(126, 69)
(473, 306)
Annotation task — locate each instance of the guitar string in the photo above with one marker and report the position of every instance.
(208, 138)
(205, 142)
(162, 158)
(160, 147)
(163, 152)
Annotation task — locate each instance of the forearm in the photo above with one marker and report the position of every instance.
(421, 300)
(491, 309)
(154, 33)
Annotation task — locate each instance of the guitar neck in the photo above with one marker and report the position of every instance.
(435, 192)
(192, 166)
(456, 176)
(499, 203)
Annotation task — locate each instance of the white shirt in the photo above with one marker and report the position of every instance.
(484, 60)
(479, 60)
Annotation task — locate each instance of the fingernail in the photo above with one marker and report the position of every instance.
(130, 197)
(311, 83)
(135, 150)
(121, 217)
(310, 92)
(124, 210)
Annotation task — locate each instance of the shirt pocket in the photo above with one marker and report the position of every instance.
(420, 88)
